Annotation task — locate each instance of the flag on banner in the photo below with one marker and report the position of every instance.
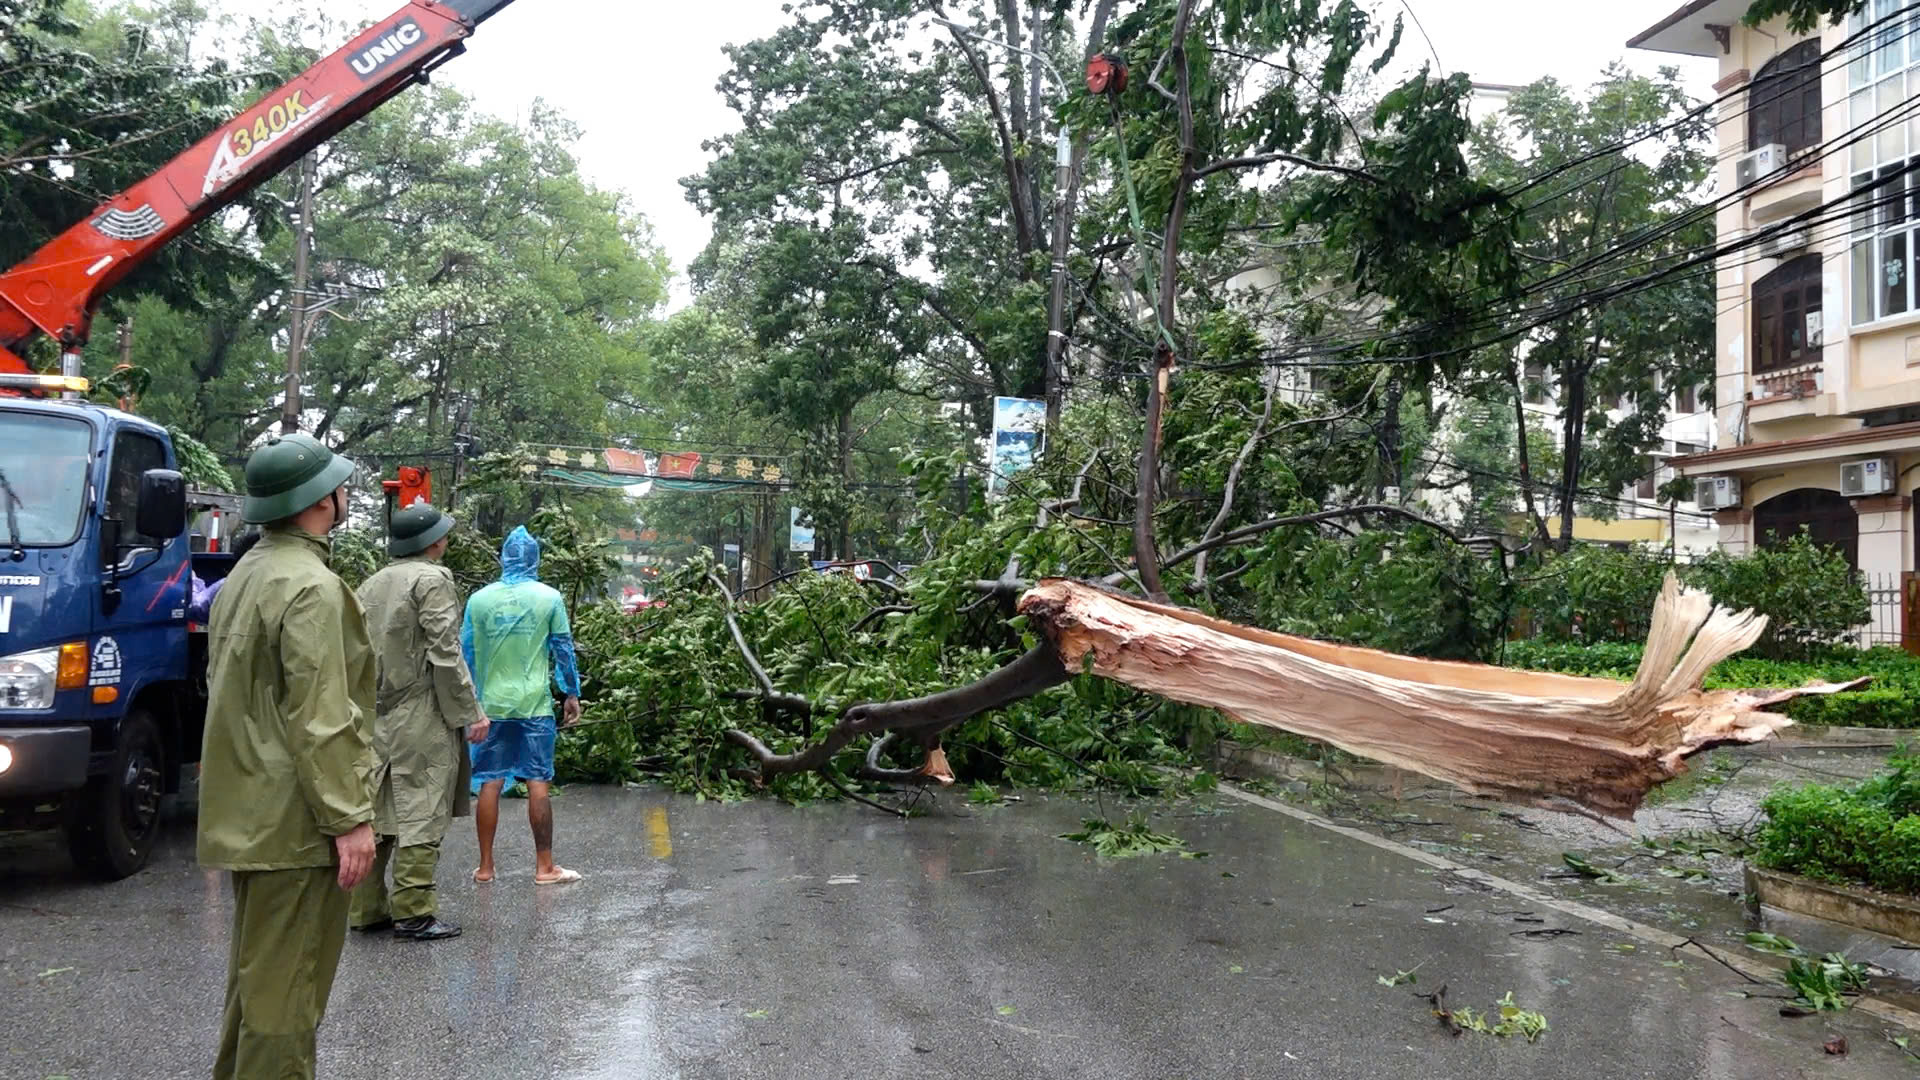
(627, 462)
(678, 466)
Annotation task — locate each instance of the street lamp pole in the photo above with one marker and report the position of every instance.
(1063, 177)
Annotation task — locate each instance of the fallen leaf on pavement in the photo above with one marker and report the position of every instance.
(1836, 1045)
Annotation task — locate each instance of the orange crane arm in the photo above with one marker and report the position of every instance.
(55, 290)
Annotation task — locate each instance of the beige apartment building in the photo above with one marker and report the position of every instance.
(1817, 387)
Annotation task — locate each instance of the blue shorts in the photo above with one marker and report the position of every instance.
(515, 750)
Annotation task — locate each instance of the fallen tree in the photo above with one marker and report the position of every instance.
(1595, 745)
(1518, 735)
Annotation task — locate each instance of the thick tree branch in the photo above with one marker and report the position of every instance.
(769, 695)
(855, 174)
(1146, 557)
(1247, 532)
(1040, 669)
(1255, 160)
(1009, 164)
(1233, 479)
(880, 613)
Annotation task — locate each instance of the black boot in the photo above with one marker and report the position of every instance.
(424, 928)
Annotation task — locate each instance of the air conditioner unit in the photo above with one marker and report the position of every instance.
(1785, 242)
(1873, 476)
(1752, 168)
(1716, 492)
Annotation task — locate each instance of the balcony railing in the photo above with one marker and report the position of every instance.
(1805, 381)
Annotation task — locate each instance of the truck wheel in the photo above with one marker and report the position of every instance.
(113, 821)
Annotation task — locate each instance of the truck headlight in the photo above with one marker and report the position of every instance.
(27, 680)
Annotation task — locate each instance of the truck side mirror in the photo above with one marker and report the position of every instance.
(162, 510)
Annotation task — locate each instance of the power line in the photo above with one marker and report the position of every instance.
(1492, 313)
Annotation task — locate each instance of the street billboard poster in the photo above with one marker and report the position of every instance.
(1018, 424)
(800, 537)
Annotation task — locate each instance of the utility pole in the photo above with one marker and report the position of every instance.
(297, 333)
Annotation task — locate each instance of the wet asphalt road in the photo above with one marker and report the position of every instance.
(759, 940)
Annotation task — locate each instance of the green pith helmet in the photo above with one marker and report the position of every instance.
(416, 529)
(289, 474)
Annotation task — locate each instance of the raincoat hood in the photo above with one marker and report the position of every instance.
(520, 557)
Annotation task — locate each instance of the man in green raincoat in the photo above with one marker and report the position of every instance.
(286, 795)
(426, 706)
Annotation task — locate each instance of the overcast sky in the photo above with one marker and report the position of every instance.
(638, 75)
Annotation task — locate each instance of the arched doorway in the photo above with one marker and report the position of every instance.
(1826, 515)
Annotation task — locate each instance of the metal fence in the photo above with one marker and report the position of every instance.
(1887, 623)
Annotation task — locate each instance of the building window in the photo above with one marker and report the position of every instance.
(1534, 384)
(1687, 448)
(1649, 480)
(1828, 518)
(1786, 315)
(1882, 77)
(1686, 400)
(1783, 102)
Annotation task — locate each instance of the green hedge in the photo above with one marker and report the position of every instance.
(1868, 834)
(1892, 700)
(1812, 599)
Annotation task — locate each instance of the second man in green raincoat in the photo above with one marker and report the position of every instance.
(426, 707)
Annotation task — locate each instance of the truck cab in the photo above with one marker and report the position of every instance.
(100, 705)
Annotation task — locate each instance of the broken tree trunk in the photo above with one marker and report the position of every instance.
(1518, 735)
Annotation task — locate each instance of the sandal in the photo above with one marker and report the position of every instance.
(562, 876)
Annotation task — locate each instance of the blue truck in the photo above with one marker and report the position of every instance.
(102, 680)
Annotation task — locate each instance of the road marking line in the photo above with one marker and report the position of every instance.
(1747, 965)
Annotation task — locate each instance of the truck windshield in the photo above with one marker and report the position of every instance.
(44, 459)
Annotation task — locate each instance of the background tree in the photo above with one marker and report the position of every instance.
(96, 99)
(1626, 355)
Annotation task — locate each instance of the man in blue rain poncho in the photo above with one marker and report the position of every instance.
(515, 632)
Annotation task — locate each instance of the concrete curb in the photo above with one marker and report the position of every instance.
(1819, 735)
(1864, 909)
(1749, 965)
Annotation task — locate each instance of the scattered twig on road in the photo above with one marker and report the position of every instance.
(890, 811)
(1716, 958)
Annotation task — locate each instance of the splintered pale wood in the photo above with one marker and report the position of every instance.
(1518, 735)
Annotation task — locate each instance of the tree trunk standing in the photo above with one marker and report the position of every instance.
(1145, 556)
(1574, 419)
(1542, 539)
(845, 543)
(762, 569)
(1037, 41)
